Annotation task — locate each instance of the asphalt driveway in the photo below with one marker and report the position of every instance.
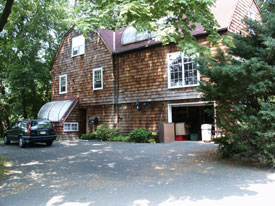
(72, 173)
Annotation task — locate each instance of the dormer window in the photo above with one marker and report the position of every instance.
(130, 35)
(78, 45)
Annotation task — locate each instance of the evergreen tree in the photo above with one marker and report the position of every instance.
(243, 86)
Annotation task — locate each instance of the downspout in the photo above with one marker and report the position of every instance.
(117, 88)
(116, 67)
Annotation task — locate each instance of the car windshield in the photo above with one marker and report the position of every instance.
(41, 124)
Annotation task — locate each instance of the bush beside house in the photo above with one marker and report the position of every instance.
(104, 133)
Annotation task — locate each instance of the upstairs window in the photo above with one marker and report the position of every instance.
(251, 14)
(78, 45)
(130, 35)
(63, 84)
(182, 71)
(97, 79)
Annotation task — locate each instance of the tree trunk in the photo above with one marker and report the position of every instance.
(24, 104)
(34, 103)
(5, 14)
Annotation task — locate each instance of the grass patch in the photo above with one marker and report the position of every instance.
(3, 170)
(1, 139)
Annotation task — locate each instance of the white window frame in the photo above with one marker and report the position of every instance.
(78, 42)
(251, 14)
(101, 73)
(183, 77)
(70, 123)
(66, 84)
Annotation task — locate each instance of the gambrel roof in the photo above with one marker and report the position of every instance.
(223, 13)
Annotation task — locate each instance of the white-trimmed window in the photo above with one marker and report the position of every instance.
(98, 78)
(63, 84)
(251, 14)
(78, 45)
(182, 70)
(70, 126)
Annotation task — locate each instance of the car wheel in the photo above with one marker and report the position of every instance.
(21, 142)
(49, 143)
(6, 140)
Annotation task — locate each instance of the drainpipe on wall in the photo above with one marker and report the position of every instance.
(117, 88)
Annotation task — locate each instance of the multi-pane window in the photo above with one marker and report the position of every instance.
(62, 84)
(130, 35)
(182, 70)
(251, 14)
(70, 127)
(78, 45)
(97, 79)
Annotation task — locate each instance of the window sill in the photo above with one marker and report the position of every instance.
(71, 131)
(185, 86)
(98, 89)
(77, 55)
(62, 92)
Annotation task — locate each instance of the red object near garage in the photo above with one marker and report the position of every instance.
(181, 137)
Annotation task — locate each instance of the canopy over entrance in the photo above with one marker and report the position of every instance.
(57, 111)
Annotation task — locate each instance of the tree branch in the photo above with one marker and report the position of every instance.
(5, 14)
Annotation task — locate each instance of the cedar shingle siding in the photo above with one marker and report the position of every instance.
(142, 76)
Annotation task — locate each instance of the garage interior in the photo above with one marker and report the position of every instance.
(193, 117)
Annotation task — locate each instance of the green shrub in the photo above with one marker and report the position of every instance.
(88, 136)
(120, 139)
(155, 137)
(140, 135)
(104, 133)
(152, 140)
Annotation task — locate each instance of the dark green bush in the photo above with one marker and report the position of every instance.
(141, 135)
(88, 136)
(104, 133)
(120, 139)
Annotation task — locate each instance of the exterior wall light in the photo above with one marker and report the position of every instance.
(138, 105)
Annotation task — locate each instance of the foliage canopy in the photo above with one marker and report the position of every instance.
(170, 19)
(28, 44)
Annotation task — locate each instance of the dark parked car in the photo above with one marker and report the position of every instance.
(30, 131)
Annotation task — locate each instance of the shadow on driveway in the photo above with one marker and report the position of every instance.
(99, 173)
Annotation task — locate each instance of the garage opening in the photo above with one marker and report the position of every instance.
(193, 115)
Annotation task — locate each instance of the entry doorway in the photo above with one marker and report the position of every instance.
(193, 114)
(83, 121)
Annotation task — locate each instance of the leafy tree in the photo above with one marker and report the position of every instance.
(5, 14)
(170, 19)
(243, 86)
(267, 6)
(27, 46)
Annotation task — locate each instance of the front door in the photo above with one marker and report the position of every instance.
(83, 121)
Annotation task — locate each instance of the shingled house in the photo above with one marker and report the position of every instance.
(128, 80)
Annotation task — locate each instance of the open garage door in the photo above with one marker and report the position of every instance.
(194, 115)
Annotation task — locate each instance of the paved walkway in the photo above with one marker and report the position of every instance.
(124, 174)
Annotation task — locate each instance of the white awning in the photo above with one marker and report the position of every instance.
(57, 111)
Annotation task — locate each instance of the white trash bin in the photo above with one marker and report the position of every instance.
(206, 132)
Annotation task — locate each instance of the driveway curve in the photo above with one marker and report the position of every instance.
(74, 173)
